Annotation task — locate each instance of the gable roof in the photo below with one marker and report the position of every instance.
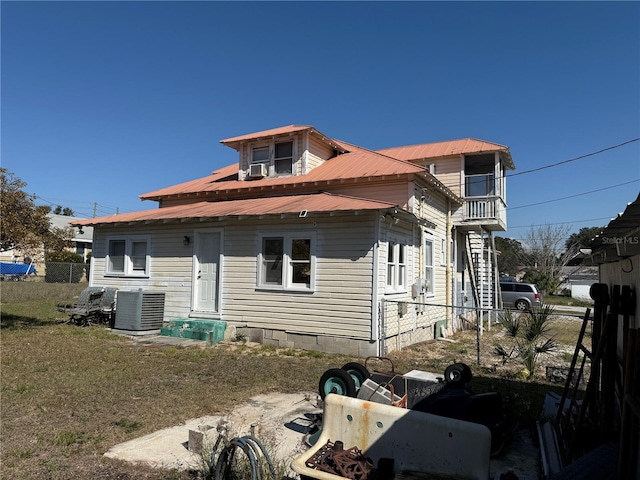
(301, 205)
(445, 149)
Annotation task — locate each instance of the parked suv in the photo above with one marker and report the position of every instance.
(522, 296)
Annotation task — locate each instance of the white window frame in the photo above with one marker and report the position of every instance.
(129, 269)
(397, 266)
(270, 162)
(429, 264)
(286, 280)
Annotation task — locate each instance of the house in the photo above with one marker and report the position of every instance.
(312, 242)
(81, 240)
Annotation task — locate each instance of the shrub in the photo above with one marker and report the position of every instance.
(528, 335)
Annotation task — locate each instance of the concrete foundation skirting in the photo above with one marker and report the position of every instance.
(320, 343)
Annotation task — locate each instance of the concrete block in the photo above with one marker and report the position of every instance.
(279, 335)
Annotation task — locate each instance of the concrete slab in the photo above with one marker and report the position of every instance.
(279, 422)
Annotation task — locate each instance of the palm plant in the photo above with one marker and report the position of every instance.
(529, 337)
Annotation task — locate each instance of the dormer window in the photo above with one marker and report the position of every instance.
(283, 159)
(276, 156)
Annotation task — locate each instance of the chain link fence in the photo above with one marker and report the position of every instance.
(405, 323)
(58, 272)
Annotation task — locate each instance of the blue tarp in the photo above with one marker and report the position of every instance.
(16, 269)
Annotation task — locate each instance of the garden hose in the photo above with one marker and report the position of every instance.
(252, 448)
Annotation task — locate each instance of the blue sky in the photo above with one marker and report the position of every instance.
(104, 101)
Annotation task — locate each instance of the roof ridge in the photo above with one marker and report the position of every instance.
(445, 141)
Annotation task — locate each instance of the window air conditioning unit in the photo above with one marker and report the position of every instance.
(139, 311)
(257, 170)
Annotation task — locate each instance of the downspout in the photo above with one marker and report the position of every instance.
(447, 248)
(375, 313)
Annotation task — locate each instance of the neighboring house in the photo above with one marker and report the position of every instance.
(302, 240)
(577, 280)
(81, 241)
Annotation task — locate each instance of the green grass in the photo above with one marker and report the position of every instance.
(562, 300)
(70, 393)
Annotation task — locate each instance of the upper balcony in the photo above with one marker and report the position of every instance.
(484, 189)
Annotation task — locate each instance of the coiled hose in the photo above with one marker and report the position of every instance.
(225, 450)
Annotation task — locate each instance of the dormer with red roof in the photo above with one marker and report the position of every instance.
(281, 152)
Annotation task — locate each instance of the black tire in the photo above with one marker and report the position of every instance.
(338, 381)
(358, 372)
(457, 373)
(522, 305)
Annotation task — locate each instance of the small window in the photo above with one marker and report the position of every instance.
(286, 262)
(396, 266)
(428, 265)
(272, 254)
(116, 256)
(283, 160)
(260, 155)
(128, 256)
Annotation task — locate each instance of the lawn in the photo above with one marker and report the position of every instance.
(70, 393)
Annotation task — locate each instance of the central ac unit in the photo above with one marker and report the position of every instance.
(257, 170)
(139, 310)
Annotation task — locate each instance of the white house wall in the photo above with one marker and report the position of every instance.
(341, 304)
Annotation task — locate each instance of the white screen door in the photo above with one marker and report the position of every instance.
(207, 274)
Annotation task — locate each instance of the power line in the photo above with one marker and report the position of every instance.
(586, 155)
(561, 223)
(576, 195)
(576, 158)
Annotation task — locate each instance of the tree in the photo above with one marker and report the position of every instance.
(66, 211)
(547, 256)
(511, 255)
(582, 239)
(22, 224)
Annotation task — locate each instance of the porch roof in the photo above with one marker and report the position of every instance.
(301, 205)
(449, 148)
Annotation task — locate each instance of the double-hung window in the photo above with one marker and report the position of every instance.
(286, 262)
(276, 156)
(128, 255)
(283, 158)
(429, 275)
(396, 266)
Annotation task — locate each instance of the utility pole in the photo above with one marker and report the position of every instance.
(95, 208)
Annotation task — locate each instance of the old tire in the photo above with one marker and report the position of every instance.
(358, 372)
(458, 374)
(338, 381)
(522, 305)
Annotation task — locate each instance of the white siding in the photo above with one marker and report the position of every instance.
(341, 304)
(319, 151)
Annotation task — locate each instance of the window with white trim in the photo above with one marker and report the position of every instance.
(276, 154)
(128, 255)
(397, 266)
(287, 262)
(429, 274)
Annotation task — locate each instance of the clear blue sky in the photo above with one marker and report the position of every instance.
(104, 101)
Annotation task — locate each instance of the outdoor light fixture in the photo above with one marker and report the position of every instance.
(186, 241)
(80, 231)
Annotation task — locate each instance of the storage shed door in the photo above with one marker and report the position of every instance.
(207, 274)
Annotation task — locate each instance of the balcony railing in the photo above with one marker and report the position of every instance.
(485, 208)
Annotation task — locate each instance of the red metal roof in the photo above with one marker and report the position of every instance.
(288, 204)
(358, 163)
(266, 133)
(444, 149)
